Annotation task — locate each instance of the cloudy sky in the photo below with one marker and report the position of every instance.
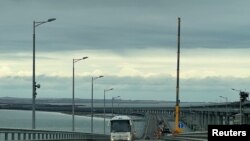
(133, 43)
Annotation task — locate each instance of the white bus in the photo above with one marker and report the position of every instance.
(122, 128)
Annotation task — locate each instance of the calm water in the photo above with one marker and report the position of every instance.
(56, 121)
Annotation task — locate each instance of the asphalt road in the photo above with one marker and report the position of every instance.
(154, 123)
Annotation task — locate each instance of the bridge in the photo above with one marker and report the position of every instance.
(152, 131)
(195, 118)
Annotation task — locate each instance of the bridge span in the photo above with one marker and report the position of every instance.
(195, 118)
(155, 123)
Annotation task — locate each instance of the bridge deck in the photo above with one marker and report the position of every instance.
(154, 124)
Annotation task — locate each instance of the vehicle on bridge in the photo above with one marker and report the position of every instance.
(122, 128)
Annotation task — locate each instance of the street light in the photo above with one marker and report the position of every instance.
(119, 111)
(243, 97)
(73, 92)
(226, 109)
(104, 110)
(93, 78)
(113, 104)
(34, 85)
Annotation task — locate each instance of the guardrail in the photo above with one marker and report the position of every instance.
(189, 136)
(7, 134)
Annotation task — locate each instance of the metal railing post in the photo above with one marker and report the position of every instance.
(6, 136)
(13, 136)
(24, 136)
(19, 136)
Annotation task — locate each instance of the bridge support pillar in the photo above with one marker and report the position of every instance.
(216, 119)
(211, 118)
(24, 136)
(220, 117)
(13, 136)
(6, 136)
(205, 120)
(246, 119)
(200, 120)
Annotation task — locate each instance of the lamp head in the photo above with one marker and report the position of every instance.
(85, 57)
(51, 19)
(100, 76)
(38, 85)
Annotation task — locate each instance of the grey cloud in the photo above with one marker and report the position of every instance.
(122, 25)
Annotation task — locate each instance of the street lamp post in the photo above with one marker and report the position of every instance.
(93, 78)
(113, 104)
(240, 107)
(73, 92)
(104, 110)
(227, 122)
(119, 111)
(243, 97)
(34, 85)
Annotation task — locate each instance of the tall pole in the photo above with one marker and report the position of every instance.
(112, 106)
(34, 85)
(227, 118)
(243, 96)
(240, 112)
(73, 98)
(33, 79)
(240, 104)
(118, 111)
(177, 82)
(113, 98)
(227, 112)
(73, 92)
(104, 111)
(92, 105)
(92, 100)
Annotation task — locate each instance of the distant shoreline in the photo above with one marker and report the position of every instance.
(108, 115)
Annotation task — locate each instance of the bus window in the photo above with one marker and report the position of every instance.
(120, 126)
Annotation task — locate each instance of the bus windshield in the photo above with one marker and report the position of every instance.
(120, 126)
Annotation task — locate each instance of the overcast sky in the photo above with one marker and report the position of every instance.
(133, 43)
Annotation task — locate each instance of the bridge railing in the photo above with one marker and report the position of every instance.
(7, 134)
(189, 136)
